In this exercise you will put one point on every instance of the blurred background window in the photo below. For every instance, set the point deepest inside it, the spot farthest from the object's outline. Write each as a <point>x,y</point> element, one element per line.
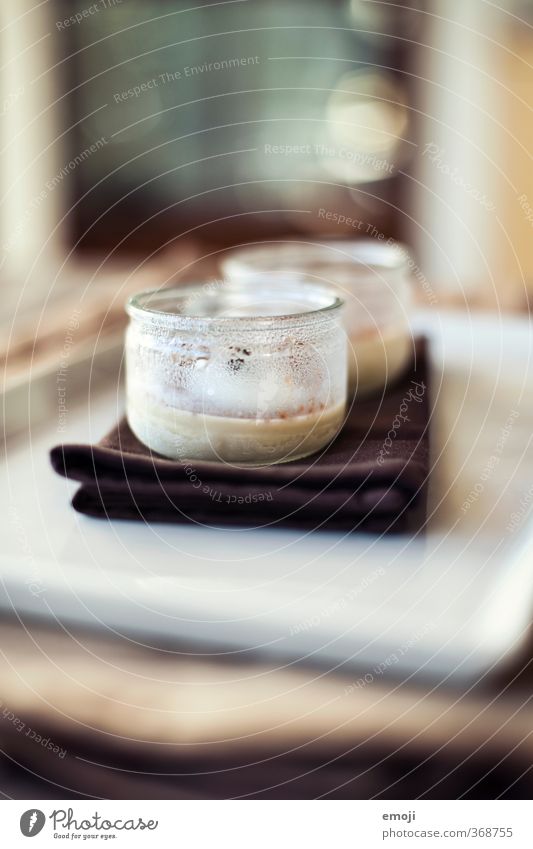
<point>231,108</point>
<point>242,120</point>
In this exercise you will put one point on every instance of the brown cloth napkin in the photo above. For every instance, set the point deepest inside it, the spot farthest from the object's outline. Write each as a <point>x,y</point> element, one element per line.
<point>372,477</point>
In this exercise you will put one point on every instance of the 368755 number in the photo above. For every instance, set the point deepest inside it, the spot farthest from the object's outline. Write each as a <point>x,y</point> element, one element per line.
<point>488,831</point>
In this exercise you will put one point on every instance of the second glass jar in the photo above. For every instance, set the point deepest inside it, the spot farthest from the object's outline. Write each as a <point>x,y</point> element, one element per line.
<point>371,276</point>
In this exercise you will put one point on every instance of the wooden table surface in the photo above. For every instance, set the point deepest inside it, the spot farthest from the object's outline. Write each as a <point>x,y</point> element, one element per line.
<point>86,716</point>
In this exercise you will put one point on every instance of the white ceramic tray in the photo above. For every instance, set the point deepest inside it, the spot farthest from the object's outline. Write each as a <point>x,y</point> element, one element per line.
<point>453,604</point>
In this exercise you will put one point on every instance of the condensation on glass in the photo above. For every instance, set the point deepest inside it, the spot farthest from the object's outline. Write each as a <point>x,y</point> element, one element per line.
<point>236,375</point>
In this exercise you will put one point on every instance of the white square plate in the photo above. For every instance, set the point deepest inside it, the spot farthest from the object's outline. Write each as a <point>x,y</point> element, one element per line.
<point>455,602</point>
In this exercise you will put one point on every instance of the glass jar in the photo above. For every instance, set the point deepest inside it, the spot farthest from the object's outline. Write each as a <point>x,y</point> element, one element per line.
<point>243,376</point>
<point>372,277</point>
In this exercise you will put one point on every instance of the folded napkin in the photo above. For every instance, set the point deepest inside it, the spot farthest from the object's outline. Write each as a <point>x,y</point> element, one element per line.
<point>372,477</point>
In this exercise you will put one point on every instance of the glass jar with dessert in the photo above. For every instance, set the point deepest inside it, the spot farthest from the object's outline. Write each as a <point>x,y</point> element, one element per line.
<point>370,275</point>
<point>239,375</point>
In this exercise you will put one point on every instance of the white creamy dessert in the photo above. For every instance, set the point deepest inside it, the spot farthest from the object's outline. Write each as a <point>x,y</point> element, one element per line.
<point>376,358</point>
<point>180,434</point>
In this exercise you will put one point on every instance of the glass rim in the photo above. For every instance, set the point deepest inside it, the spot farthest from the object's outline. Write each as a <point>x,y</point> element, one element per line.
<point>367,253</point>
<point>136,306</point>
